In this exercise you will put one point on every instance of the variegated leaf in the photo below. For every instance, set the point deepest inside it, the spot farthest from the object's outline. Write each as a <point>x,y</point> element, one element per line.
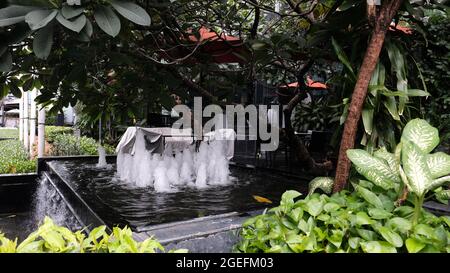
<point>438,182</point>
<point>443,196</point>
<point>422,134</point>
<point>323,183</point>
<point>439,164</point>
<point>382,153</point>
<point>416,168</point>
<point>372,168</point>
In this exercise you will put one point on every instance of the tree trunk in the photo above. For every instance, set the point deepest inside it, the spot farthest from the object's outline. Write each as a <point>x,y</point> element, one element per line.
<point>387,13</point>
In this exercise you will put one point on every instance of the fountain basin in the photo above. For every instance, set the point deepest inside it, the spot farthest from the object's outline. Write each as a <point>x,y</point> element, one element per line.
<point>202,220</point>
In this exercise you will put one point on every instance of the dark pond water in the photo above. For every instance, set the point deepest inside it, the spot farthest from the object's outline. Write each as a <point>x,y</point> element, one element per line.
<point>119,203</point>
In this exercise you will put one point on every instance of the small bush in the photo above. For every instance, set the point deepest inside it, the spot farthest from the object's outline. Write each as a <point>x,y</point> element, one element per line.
<point>14,158</point>
<point>66,145</point>
<point>52,131</point>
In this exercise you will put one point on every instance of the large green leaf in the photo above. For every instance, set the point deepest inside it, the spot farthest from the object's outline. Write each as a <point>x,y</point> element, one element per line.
<point>393,164</point>
<point>75,25</point>
<point>40,18</point>
<point>13,14</point>
<point>43,41</point>
<point>372,168</point>
<point>416,168</point>
<point>323,183</point>
<point>422,134</point>
<point>107,20</point>
<point>439,164</point>
<point>5,62</point>
<point>132,12</point>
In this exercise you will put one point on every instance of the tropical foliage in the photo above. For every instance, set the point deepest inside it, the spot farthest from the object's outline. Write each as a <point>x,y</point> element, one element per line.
<point>51,238</point>
<point>371,218</point>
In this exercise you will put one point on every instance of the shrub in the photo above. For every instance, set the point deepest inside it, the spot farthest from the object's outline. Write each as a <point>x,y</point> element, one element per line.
<point>375,217</point>
<point>50,238</point>
<point>66,145</point>
<point>52,131</point>
<point>14,158</point>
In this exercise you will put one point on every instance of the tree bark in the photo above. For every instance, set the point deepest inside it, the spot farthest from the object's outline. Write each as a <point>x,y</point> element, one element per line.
<point>383,20</point>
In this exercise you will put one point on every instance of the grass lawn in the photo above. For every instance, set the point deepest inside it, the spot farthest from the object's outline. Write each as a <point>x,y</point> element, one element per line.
<point>9,133</point>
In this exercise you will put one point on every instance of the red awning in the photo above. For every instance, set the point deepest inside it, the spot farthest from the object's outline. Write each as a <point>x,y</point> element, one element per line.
<point>215,48</point>
<point>405,30</point>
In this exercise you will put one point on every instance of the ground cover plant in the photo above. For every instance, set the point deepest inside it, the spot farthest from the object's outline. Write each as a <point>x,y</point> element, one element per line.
<point>51,238</point>
<point>382,212</point>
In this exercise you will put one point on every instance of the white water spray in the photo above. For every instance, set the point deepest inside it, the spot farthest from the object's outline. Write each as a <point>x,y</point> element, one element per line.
<point>208,166</point>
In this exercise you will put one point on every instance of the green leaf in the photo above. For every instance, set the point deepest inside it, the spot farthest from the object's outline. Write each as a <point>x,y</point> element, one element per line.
<point>40,18</point>
<point>401,224</point>
<point>323,183</point>
<point>418,93</point>
<point>289,196</point>
<point>413,245</point>
<point>13,14</point>
<point>391,105</point>
<point>416,168</point>
<point>379,214</point>
<point>70,12</point>
<point>377,247</point>
<point>361,218</point>
<point>107,20</point>
<point>366,234</point>
<point>336,237</point>
<point>353,242</point>
<point>439,164</point>
<point>422,134</point>
<point>369,196</point>
<point>314,206</point>
<point>393,163</point>
<point>6,62</point>
<point>343,57</point>
<point>372,168</point>
<point>367,117</point>
<point>392,237</point>
<point>43,41</point>
<point>75,25</point>
<point>132,12</point>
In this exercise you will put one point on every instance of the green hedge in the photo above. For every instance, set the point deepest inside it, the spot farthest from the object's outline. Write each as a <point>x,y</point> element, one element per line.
<point>14,158</point>
<point>65,145</point>
<point>52,131</point>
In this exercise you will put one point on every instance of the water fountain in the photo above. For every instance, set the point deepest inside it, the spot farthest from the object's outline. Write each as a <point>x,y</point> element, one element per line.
<point>167,184</point>
<point>178,164</point>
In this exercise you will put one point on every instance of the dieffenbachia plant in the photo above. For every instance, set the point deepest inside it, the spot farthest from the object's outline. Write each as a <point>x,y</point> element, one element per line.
<point>412,164</point>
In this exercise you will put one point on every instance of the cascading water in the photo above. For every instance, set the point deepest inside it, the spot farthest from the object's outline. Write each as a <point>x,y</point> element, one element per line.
<point>101,157</point>
<point>208,166</point>
<point>48,202</point>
